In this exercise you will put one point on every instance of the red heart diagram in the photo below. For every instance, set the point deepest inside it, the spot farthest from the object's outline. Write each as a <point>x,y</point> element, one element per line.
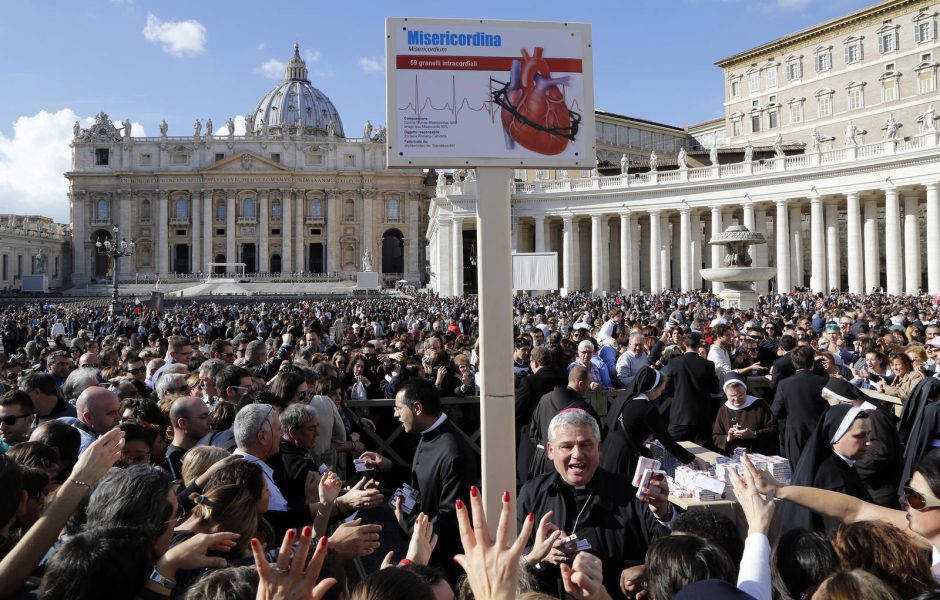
<point>534,113</point>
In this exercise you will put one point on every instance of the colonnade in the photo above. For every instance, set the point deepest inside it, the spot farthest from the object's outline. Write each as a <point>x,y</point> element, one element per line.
<point>856,242</point>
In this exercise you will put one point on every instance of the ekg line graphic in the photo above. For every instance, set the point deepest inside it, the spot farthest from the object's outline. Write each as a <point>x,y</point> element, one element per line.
<point>418,107</point>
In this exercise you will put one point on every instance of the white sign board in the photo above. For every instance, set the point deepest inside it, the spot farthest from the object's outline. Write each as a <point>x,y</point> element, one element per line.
<point>535,271</point>
<point>489,93</point>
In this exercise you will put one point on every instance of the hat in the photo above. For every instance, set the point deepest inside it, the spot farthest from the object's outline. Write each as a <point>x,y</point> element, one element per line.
<point>896,328</point>
<point>832,326</point>
<point>935,342</point>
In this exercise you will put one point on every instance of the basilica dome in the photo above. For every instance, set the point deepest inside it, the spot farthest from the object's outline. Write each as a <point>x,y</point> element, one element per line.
<point>295,107</point>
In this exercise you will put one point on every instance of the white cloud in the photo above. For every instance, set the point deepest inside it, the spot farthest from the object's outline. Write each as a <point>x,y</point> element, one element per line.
<point>272,69</point>
<point>32,163</point>
<point>261,46</point>
<point>311,56</point>
<point>178,38</point>
<point>370,65</point>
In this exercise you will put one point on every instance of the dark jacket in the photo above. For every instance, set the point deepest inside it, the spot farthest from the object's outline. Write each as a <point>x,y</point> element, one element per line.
<point>530,391</point>
<point>618,526</point>
<point>799,403</point>
<point>291,466</point>
<point>694,384</point>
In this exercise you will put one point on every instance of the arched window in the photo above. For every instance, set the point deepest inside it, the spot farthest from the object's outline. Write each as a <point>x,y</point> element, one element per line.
<point>220,210</point>
<point>145,210</point>
<point>316,208</point>
<point>102,210</point>
<point>182,208</point>
<point>248,208</point>
<point>392,210</point>
<point>276,210</point>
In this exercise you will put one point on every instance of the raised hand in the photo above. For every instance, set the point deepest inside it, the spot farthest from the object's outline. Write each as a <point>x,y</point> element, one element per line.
<point>100,456</point>
<point>492,567</point>
<point>423,540</point>
<point>584,579</point>
<point>293,577</point>
<point>546,535</point>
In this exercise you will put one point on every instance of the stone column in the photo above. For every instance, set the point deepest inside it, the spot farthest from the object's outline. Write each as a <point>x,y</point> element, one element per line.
<point>872,258</point>
<point>576,276</point>
<point>894,268</point>
<point>79,202</point>
<point>666,243</point>
<point>748,221</point>
<point>514,229</point>
<point>796,246</point>
<point>412,264</point>
<point>368,241</point>
<point>231,251</point>
<point>817,228</point>
<point>626,253</point>
<point>833,250</point>
<point>760,250</point>
<point>208,228</point>
<point>596,262</point>
<point>656,274</point>
<point>287,205</point>
<point>911,244</point>
<point>334,217</point>
<point>195,210</point>
<point>933,238</point>
<point>567,253</point>
<point>540,233</point>
<point>605,253</point>
<point>124,224</point>
<point>717,227</point>
<point>853,240</point>
<point>697,263</point>
<point>685,250</point>
<point>300,254</point>
<point>782,255</point>
<point>162,241</point>
<point>264,231</point>
<point>457,258</point>
<point>444,254</point>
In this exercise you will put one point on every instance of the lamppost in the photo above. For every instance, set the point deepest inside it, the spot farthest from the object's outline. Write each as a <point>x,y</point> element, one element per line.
<point>114,250</point>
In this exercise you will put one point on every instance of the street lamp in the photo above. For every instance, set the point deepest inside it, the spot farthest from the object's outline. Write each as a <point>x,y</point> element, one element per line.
<point>114,250</point>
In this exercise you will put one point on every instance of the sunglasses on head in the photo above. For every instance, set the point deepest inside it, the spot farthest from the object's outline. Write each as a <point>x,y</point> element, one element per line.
<point>918,501</point>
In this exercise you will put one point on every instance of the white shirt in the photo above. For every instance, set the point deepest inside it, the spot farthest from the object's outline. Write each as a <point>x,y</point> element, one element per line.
<point>720,357</point>
<point>436,424</point>
<point>276,500</point>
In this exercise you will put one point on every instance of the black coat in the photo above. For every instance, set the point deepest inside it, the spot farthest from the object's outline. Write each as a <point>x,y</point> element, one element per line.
<point>797,407</point>
<point>835,475</point>
<point>291,466</point>
<point>530,391</point>
<point>694,384</point>
<point>783,368</point>
<point>445,466</point>
<point>629,424</point>
<point>880,469</point>
<point>618,526</point>
<point>922,440</point>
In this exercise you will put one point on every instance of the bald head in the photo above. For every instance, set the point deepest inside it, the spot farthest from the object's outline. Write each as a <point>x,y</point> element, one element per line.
<point>89,359</point>
<point>190,418</point>
<point>99,409</point>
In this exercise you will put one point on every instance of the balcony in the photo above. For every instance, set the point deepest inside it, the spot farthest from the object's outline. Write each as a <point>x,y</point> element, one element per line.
<point>247,220</point>
<point>97,221</point>
<point>317,220</point>
<point>179,220</point>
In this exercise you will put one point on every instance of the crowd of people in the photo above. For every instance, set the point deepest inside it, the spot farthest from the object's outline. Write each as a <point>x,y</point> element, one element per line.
<point>215,450</point>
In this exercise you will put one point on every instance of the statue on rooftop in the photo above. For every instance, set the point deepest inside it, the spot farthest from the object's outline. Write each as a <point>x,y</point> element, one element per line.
<point>163,128</point>
<point>713,155</point>
<point>680,158</point>
<point>197,128</point>
<point>209,127</point>
<point>778,147</point>
<point>748,152</point>
<point>654,161</point>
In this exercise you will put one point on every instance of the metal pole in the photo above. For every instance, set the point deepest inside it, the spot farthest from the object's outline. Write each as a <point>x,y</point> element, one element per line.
<point>497,400</point>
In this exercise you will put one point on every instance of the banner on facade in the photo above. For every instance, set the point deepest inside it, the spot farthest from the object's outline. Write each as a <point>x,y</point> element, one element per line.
<point>535,271</point>
<point>468,93</point>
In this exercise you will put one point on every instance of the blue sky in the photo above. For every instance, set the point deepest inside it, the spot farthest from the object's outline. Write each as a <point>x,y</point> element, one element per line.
<point>146,61</point>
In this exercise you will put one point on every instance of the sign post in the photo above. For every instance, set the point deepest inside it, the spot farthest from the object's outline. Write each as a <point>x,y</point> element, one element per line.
<point>491,95</point>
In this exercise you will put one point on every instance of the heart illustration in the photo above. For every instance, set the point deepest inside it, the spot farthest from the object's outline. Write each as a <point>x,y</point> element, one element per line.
<point>534,113</point>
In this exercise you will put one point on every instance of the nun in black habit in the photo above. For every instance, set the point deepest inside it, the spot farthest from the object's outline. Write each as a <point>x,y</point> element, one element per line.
<point>827,462</point>
<point>632,419</point>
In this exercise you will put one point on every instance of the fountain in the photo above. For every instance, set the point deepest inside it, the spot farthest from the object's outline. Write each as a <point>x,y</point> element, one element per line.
<point>736,273</point>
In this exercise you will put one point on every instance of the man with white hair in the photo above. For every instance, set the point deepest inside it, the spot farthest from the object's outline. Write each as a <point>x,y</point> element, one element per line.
<point>598,505</point>
<point>634,360</point>
<point>600,378</point>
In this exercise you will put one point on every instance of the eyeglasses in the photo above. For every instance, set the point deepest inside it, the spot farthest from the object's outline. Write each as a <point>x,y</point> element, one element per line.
<point>137,370</point>
<point>11,420</point>
<point>918,501</point>
<point>92,365</point>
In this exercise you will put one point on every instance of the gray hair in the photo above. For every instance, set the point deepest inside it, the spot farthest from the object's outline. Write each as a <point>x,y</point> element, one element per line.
<point>295,415</point>
<point>168,382</point>
<point>211,368</point>
<point>132,497</point>
<point>255,347</point>
<point>250,420</point>
<point>573,417</point>
<point>78,381</point>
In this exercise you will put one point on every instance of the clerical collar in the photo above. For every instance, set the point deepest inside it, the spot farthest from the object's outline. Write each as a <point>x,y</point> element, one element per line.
<point>847,461</point>
<point>436,424</point>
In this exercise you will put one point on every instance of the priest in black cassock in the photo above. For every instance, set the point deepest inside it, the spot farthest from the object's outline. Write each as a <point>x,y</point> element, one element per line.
<point>444,468</point>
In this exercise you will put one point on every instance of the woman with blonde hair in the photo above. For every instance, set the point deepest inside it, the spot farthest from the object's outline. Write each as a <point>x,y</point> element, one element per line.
<point>853,585</point>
